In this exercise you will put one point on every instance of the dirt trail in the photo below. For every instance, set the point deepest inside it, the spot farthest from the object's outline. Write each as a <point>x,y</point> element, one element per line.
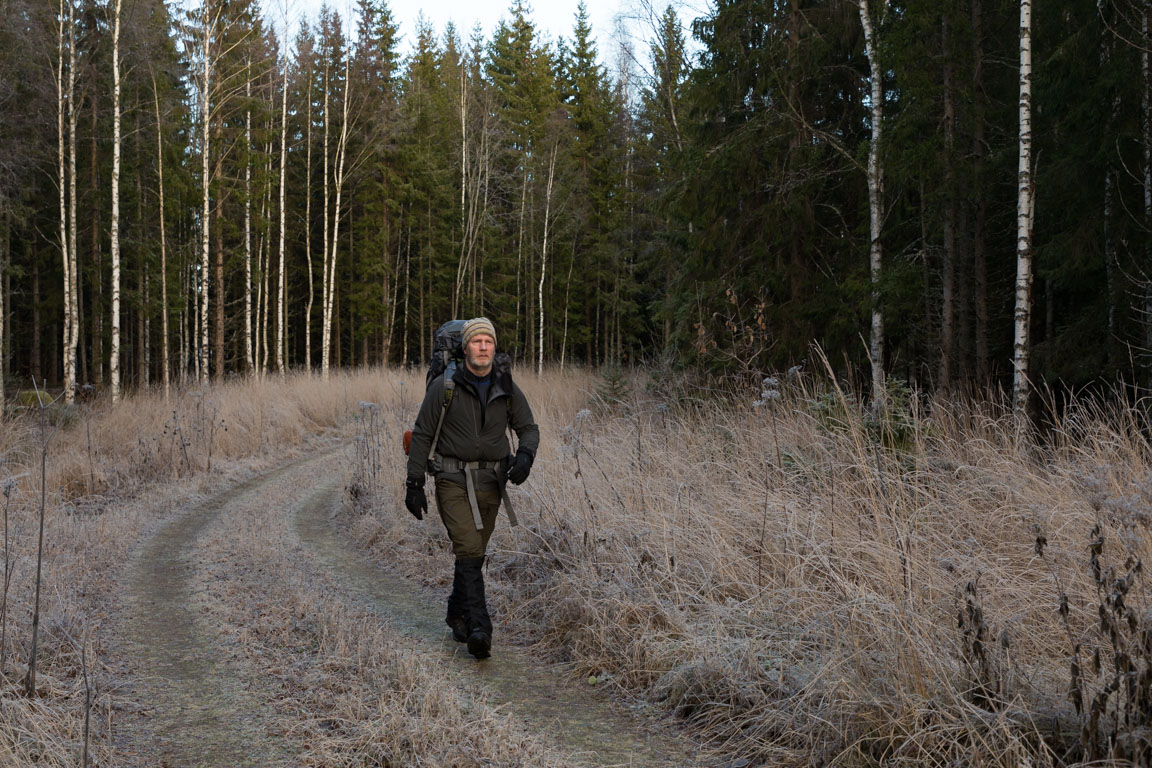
<point>596,732</point>
<point>193,707</point>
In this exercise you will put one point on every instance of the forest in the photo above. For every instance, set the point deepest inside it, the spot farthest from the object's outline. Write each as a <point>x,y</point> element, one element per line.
<point>194,192</point>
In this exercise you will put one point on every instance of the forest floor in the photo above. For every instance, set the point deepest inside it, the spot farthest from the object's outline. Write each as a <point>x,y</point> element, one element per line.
<point>251,632</point>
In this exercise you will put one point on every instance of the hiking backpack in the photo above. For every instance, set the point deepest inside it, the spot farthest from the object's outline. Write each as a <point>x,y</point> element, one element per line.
<point>447,354</point>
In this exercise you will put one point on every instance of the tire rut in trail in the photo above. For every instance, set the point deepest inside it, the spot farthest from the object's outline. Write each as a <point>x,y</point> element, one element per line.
<point>597,732</point>
<point>198,711</point>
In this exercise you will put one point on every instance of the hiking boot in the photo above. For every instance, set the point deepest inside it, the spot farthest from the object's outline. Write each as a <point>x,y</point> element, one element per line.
<point>479,623</point>
<point>480,644</point>
<point>457,618</point>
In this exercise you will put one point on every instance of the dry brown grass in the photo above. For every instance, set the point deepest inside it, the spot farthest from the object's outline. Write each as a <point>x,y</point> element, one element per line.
<point>113,473</point>
<point>791,585</point>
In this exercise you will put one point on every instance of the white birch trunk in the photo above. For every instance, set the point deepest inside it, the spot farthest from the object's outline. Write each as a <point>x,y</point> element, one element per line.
<point>202,346</point>
<point>265,295</point>
<point>165,372</point>
<point>73,230</point>
<point>249,358</point>
<point>281,334</point>
<point>326,243</point>
<point>261,315</point>
<point>330,273</point>
<point>308,227</point>
<point>1021,388</point>
<point>65,251</point>
<point>114,361</point>
<point>544,260</point>
<point>875,199</point>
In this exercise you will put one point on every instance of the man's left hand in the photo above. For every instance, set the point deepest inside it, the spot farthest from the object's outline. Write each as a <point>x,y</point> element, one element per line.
<point>519,466</point>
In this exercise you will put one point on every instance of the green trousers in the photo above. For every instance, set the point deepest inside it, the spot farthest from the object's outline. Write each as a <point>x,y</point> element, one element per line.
<point>456,513</point>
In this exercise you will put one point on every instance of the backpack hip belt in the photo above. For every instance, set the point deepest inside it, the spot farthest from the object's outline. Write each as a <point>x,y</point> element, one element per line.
<point>449,464</point>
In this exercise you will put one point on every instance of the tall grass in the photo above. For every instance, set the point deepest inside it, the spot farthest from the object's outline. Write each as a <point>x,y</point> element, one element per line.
<point>801,581</point>
<point>809,583</point>
<point>112,473</point>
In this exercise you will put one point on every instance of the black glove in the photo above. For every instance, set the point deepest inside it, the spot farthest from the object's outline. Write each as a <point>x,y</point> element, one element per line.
<point>519,466</point>
<point>414,499</point>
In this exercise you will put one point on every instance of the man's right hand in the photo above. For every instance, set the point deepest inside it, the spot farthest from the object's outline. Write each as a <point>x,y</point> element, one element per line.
<point>415,500</point>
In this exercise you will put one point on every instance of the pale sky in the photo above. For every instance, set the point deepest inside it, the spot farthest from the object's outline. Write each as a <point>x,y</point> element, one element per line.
<point>553,18</point>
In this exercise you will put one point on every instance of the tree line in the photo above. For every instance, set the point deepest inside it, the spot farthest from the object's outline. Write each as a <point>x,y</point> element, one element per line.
<point>188,193</point>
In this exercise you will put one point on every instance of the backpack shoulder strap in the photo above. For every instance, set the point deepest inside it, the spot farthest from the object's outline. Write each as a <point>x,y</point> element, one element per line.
<point>449,390</point>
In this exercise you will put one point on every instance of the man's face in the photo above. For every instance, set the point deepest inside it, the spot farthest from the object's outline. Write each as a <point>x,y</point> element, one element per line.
<point>478,353</point>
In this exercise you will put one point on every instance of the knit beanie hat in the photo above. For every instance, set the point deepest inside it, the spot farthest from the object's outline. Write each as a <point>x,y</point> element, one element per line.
<point>476,326</point>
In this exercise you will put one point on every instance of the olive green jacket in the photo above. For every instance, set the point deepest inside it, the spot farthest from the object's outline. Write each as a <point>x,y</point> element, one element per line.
<point>469,433</point>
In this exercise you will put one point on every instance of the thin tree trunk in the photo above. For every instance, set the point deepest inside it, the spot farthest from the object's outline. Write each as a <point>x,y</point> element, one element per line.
<point>141,348</point>
<point>423,272</point>
<point>520,248</point>
<point>249,359</point>
<point>1021,387</point>
<point>37,370</point>
<point>875,198</point>
<point>544,258</point>
<point>308,226</point>
<point>69,361</point>
<point>202,313</point>
<point>281,333</point>
<point>1110,265</point>
<point>327,243</point>
<point>979,260</point>
<point>73,229</point>
<point>461,269</point>
<point>948,302</point>
<point>114,361</point>
<point>261,342</point>
<point>165,371</point>
<point>96,305</point>
<point>567,288</point>
<point>218,234</point>
<point>265,293</point>
<point>330,277</point>
<point>407,293</point>
<point>395,295</point>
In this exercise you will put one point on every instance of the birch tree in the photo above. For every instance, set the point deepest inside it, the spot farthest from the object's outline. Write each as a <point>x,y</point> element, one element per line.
<point>205,182</point>
<point>544,256</point>
<point>308,221</point>
<point>114,362</point>
<point>69,360</point>
<point>282,281</point>
<point>875,194</point>
<point>166,373</point>
<point>1021,388</point>
<point>73,288</point>
<point>249,360</point>
<point>329,287</point>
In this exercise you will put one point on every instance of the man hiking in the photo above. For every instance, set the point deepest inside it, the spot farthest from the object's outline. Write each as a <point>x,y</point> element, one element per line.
<point>462,428</point>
